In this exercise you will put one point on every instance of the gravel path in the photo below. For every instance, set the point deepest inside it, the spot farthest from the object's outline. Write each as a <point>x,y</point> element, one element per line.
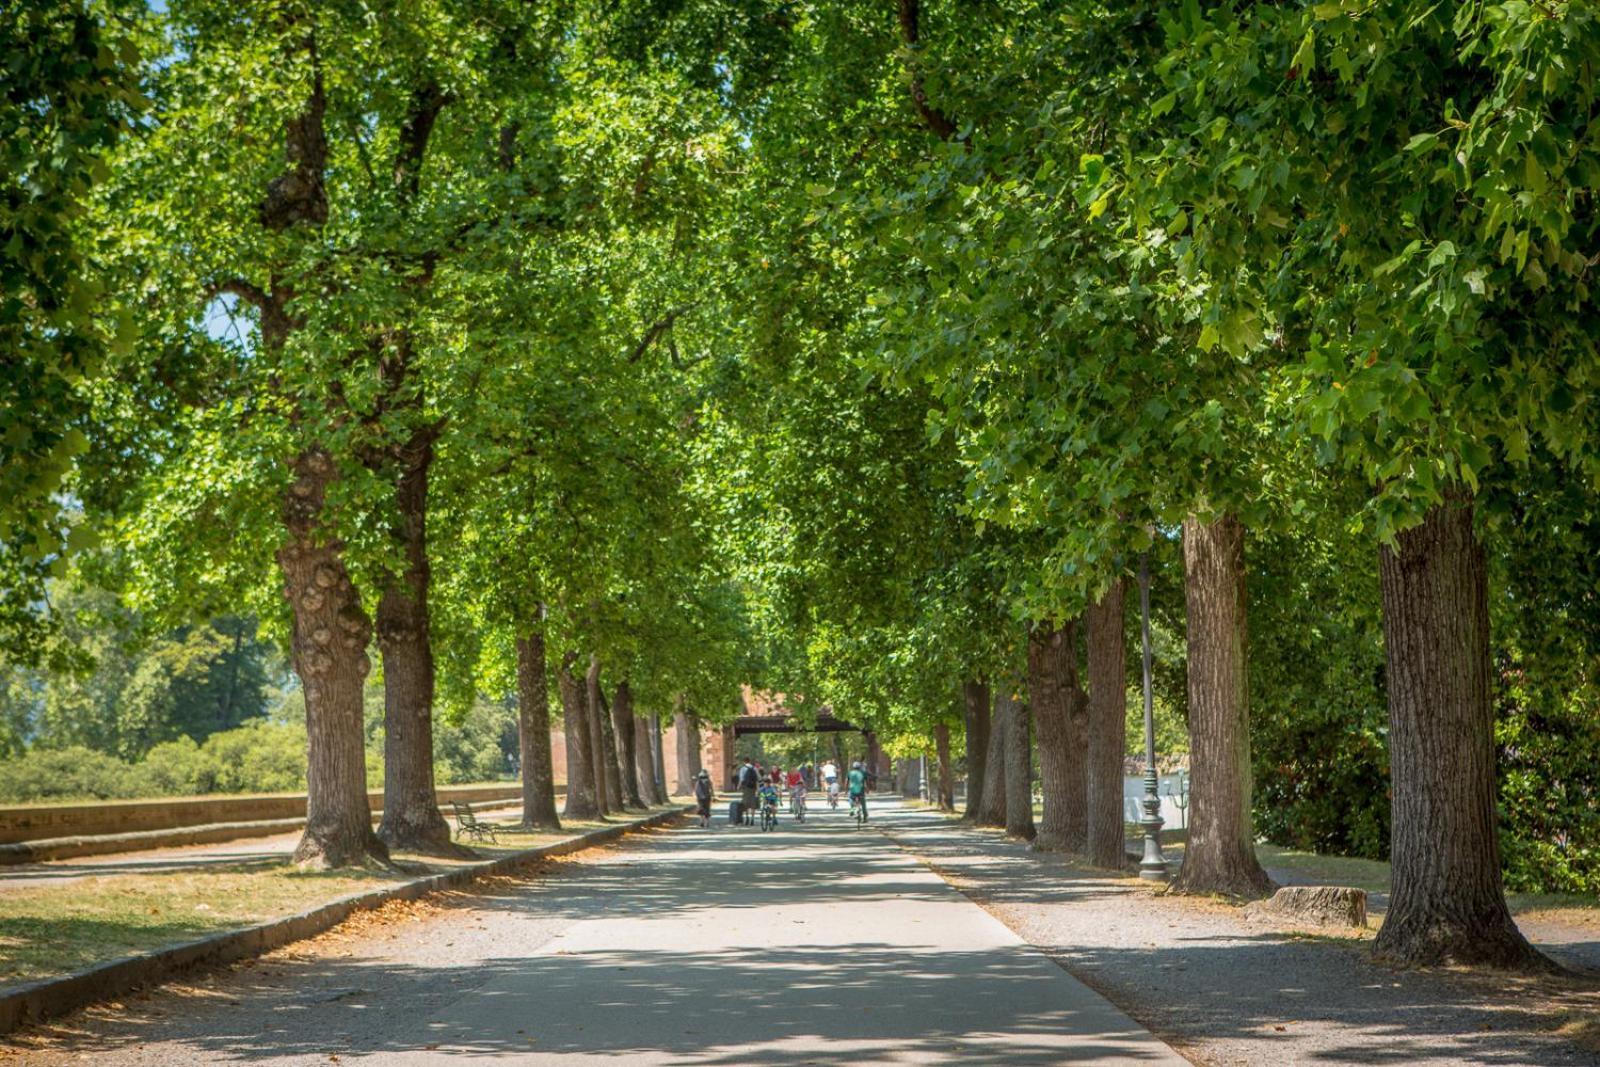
<point>815,944</point>
<point>1224,991</point>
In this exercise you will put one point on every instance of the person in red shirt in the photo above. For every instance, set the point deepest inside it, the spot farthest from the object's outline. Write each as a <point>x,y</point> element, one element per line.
<point>797,794</point>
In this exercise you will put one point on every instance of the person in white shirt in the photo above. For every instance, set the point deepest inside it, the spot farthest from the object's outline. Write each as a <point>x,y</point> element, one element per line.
<point>830,779</point>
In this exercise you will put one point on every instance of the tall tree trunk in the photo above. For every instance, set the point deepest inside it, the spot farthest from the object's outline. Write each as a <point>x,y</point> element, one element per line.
<point>688,731</point>
<point>1447,905</point>
<point>1108,724</point>
<point>411,819</point>
<point>1220,855</point>
<point>992,808</point>
<point>643,769</point>
<point>947,779</point>
<point>533,735</point>
<point>330,628</point>
<point>1019,765</point>
<point>975,701</point>
<point>603,753</point>
<point>583,793</point>
<point>1057,703</point>
<point>658,758</point>
<point>329,644</point>
<point>627,751</point>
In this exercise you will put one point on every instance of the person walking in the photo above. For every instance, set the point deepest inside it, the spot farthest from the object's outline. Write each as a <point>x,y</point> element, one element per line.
<point>749,781</point>
<point>703,795</point>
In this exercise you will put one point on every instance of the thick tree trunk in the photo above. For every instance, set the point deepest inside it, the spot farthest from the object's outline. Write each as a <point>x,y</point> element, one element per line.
<point>1019,764</point>
<point>583,794</point>
<point>1108,723</point>
<point>533,735</point>
<point>411,819</point>
<point>1057,703</point>
<point>602,752</point>
<point>688,731</point>
<point>330,655</point>
<point>1448,905</point>
<point>627,752</point>
<point>992,808</point>
<point>658,758</point>
<point>643,765</point>
<point>946,794</point>
<point>1220,855</point>
<point>975,698</point>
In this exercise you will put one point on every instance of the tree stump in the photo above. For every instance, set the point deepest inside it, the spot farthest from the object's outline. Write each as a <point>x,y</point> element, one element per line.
<point>1313,905</point>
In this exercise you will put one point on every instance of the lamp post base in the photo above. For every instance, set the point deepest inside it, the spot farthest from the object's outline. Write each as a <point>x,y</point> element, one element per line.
<point>1153,868</point>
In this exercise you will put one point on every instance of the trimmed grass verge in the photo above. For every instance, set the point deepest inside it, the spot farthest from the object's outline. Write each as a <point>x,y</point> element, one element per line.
<point>129,930</point>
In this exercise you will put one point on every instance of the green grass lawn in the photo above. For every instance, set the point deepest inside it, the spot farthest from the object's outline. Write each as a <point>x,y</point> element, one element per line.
<point>56,929</point>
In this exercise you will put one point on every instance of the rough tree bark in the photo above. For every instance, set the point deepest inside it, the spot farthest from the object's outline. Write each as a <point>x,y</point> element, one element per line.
<point>603,744</point>
<point>992,808</point>
<point>947,779</point>
<point>1019,765</point>
<point>975,699</point>
<point>688,749</point>
<point>1220,855</point>
<point>627,748</point>
<point>658,756</point>
<point>643,764</point>
<point>330,629</point>
<point>329,651</point>
<point>1108,724</point>
<point>533,735</point>
<point>411,818</point>
<point>583,795</point>
<point>1448,905</point>
<point>1057,703</point>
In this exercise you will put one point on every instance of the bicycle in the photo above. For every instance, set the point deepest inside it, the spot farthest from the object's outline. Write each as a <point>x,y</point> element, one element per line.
<point>833,796</point>
<point>858,809</point>
<point>769,815</point>
<point>797,805</point>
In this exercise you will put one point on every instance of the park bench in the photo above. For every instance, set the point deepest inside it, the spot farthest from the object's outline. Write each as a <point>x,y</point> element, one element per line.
<point>469,824</point>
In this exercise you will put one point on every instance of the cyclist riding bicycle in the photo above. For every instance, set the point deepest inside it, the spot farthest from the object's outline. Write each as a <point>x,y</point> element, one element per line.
<point>797,793</point>
<point>858,789</point>
<point>830,779</point>
<point>769,800</point>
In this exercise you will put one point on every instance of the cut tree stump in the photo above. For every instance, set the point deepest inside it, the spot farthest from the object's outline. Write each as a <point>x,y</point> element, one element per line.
<point>1313,905</point>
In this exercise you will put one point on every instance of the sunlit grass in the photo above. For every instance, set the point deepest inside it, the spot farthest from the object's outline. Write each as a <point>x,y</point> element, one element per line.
<point>66,926</point>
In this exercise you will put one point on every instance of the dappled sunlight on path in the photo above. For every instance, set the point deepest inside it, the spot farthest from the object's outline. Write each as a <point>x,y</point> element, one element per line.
<point>818,943</point>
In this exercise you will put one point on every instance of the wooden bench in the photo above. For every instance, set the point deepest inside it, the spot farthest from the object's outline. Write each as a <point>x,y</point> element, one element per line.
<point>469,824</point>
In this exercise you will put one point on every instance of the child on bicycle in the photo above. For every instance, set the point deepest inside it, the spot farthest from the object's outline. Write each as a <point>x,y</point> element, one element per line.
<point>797,793</point>
<point>769,798</point>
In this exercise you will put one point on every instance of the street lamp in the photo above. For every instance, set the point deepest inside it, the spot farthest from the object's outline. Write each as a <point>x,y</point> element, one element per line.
<point>1153,867</point>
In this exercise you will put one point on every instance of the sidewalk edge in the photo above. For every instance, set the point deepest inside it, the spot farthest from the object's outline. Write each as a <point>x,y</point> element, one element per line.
<point>51,997</point>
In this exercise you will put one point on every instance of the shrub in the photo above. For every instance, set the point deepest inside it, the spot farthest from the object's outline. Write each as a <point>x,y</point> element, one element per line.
<point>178,768</point>
<point>259,757</point>
<point>71,773</point>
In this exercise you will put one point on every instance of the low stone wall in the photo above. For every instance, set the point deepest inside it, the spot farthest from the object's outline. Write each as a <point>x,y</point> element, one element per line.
<point>37,822</point>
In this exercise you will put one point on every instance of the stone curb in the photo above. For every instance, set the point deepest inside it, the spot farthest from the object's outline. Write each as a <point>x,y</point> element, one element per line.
<point>61,848</point>
<point>50,997</point>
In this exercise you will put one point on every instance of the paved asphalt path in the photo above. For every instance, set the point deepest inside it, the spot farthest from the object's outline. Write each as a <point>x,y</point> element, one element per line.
<point>813,944</point>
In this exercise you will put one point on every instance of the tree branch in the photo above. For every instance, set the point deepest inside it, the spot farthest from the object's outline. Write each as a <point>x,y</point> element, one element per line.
<point>249,292</point>
<point>426,103</point>
<point>910,29</point>
<point>653,334</point>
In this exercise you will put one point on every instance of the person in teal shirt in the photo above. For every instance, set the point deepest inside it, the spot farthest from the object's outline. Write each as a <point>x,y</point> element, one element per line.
<point>769,797</point>
<point>857,787</point>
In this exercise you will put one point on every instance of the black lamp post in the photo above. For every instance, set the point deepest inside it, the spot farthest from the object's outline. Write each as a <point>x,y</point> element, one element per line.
<point>1154,865</point>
